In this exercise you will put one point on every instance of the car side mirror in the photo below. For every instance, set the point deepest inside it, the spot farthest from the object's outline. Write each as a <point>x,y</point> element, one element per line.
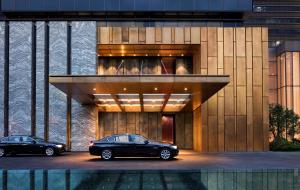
<point>146,142</point>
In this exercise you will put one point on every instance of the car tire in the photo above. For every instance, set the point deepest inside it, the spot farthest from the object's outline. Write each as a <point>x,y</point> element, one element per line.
<point>2,152</point>
<point>106,154</point>
<point>49,151</point>
<point>165,154</point>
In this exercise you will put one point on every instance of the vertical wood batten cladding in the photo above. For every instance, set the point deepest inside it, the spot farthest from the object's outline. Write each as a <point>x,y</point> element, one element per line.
<point>236,118</point>
<point>57,66</point>
<point>2,31</point>
<point>20,78</point>
<point>84,118</point>
<point>287,73</point>
<point>40,49</point>
<point>149,125</point>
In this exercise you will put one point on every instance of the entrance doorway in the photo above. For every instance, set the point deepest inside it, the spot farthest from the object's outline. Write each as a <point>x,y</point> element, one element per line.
<point>168,132</point>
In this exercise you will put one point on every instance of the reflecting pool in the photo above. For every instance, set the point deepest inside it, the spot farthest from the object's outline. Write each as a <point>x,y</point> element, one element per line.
<point>285,179</point>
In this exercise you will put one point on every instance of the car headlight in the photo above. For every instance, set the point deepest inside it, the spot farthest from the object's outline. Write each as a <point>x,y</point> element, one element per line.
<point>59,146</point>
<point>174,146</point>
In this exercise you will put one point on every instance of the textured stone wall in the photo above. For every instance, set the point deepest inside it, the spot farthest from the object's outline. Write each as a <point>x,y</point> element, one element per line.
<point>40,89</point>
<point>57,66</point>
<point>20,78</point>
<point>2,29</point>
<point>84,118</point>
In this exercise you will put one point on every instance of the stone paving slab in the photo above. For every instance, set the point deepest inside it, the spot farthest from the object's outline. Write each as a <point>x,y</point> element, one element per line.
<point>186,161</point>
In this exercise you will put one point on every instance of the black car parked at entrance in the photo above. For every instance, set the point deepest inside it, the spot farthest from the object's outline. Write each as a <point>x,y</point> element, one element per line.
<point>131,145</point>
<point>21,144</point>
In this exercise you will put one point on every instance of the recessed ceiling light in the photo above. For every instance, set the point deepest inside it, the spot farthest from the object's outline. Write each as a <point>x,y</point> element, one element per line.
<point>182,55</point>
<point>124,89</point>
<point>134,55</point>
<point>94,89</point>
<point>147,54</point>
<point>110,54</point>
<point>170,55</point>
<point>155,88</point>
<point>157,54</point>
<point>185,89</point>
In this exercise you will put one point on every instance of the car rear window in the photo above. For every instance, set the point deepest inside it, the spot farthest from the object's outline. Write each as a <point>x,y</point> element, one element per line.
<point>4,139</point>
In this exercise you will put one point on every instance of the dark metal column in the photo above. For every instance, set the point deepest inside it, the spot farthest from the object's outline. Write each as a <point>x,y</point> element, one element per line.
<point>6,79</point>
<point>33,79</point>
<point>46,83</point>
<point>69,100</point>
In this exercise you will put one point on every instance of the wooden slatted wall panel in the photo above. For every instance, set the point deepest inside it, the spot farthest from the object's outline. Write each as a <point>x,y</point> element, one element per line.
<point>236,118</point>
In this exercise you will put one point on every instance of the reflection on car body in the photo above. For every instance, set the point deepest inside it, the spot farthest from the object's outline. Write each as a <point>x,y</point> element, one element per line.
<point>131,145</point>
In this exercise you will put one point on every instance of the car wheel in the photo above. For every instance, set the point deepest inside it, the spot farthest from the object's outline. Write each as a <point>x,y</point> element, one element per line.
<point>49,151</point>
<point>165,154</point>
<point>2,152</point>
<point>106,154</point>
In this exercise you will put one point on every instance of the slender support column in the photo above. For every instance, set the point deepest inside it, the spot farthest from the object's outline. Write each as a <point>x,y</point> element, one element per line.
<point>46,83</point>
<point>6,79</point>
<point>69,100</point>
<point>33,80</point>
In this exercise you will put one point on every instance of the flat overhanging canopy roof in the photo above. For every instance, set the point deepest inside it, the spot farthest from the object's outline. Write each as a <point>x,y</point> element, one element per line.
<point>88,89</point>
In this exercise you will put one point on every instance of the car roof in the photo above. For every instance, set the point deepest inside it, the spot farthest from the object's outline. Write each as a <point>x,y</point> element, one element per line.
<point>20,136</point>
<point>125,134</point>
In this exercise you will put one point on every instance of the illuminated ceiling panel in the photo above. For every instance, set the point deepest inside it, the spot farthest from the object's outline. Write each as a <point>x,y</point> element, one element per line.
<point>153,102</point>
<point>177,102</point>
<point>136,102</point>
<point>130,102</point>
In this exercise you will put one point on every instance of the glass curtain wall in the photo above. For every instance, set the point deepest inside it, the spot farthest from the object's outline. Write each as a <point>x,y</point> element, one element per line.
<point>144,65</point>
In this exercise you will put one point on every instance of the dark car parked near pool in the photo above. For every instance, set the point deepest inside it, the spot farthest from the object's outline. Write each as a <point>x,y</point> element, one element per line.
<point>131,145</point>
<point>21,144</point>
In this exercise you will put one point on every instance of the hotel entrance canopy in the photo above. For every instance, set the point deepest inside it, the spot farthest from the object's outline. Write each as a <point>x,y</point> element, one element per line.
<point>139,93</point>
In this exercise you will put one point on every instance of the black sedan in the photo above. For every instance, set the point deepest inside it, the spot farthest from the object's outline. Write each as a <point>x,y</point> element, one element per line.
<point>21,144</point>
<point>131,145</point>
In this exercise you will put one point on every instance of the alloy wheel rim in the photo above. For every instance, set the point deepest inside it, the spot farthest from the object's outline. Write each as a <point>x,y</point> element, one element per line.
<point>106,154</point>
<point>49,151</point>
<point>1,152</point>
<point>165,154</point>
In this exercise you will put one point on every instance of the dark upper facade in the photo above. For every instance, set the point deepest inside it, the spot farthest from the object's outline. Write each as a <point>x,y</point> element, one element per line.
<point>126,5</point>
<point>280,16</point>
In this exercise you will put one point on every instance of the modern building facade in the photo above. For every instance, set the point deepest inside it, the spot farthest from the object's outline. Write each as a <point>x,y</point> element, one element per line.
<point>194,73</point>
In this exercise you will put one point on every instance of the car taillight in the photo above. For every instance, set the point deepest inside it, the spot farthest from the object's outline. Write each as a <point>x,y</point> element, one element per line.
<point>91,143</point>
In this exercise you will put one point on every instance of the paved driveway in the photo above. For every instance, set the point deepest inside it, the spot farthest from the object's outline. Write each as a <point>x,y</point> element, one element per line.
<point>187,160</point>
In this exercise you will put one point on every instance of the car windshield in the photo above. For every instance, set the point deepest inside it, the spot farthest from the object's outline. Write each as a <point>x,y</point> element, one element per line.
<point>38,139</point>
